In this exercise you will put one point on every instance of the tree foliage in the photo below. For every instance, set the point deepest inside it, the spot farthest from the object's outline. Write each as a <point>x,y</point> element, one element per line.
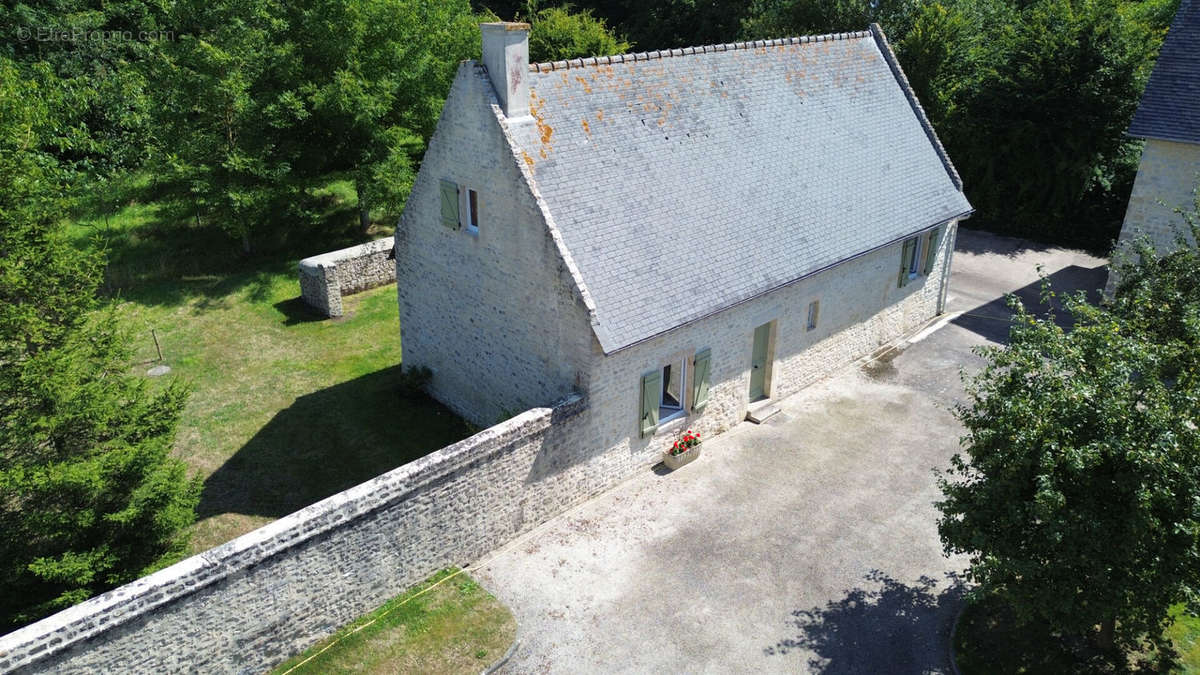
<point>1158,293</point>
<point>372,78</point>
<point>89,494</point>
<point>1077,495</point>
<point>1038,132</point>
<point>557,34</point>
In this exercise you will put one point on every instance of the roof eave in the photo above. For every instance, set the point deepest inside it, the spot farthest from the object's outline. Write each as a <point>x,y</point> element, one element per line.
<point>1161,137</point>
<point>962,216</point>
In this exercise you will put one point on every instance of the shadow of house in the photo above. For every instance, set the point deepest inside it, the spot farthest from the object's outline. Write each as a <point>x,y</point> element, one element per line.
<point>887,627</point>
<point>329,441</point>
<point>991,321</point>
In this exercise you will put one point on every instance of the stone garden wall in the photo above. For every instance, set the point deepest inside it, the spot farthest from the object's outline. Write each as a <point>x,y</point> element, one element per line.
<point>325,278</point>
<point>249,604</point>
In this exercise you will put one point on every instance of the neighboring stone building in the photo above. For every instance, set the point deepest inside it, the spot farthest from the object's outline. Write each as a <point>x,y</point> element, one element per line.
<point>680,236</point>
<point>1169,119</point>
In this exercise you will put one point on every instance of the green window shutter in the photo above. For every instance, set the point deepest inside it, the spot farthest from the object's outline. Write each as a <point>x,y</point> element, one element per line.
<point>700,371</point>
<point>450,205</point>
<point>910,249</point>
<point>931,250</point>
<point>651,388</point>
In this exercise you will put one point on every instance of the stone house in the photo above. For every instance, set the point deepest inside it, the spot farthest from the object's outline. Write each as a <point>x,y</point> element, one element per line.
<point>680,236</point>
<point>1168,118</point>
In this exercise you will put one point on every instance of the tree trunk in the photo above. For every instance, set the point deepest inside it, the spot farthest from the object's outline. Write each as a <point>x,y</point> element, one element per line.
<point>364,209</point>
<point>245,241</point>
<point>1105,640</point>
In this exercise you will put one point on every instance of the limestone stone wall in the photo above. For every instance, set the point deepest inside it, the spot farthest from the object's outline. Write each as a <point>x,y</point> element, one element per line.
<point>861,308</point>
<point>325,278</point>
<point>249,604</point>
<point>1168,173</point>
<point>493,314</point>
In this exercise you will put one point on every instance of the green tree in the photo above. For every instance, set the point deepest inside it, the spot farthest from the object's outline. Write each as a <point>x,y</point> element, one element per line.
<point>1040,137</point>
<point>372,77</point>
<point>775,18</point>
<point>228,111</point>
<point>1158,293</point>
<point>1077,495</point>
<point>557,34</point>
<point>89,494</point>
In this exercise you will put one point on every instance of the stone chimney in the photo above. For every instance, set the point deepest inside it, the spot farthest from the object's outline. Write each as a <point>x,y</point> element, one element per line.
<point>506,56</point>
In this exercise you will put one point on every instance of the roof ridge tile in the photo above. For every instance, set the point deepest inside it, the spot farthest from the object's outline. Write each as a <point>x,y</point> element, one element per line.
<point>548,66</point>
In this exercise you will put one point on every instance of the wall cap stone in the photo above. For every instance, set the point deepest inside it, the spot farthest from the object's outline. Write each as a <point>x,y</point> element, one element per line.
<point>332,258</point>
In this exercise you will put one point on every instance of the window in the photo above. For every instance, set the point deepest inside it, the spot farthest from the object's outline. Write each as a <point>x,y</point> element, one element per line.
<point>667,391</point>
<point>472,211</point>
<point>459,206</point>
<point>914,260</point>
<point>918,256</point>
<point>814,308</point>
<point>670,401</point>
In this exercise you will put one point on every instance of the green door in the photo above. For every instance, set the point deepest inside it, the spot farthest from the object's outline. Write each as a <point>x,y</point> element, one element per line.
<point>758,363</point>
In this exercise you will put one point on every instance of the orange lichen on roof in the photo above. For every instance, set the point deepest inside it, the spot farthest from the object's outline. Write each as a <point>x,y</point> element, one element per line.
<point>600,115</point>
<point>586,88</point>
<point>528,160</point>
<point>586,129</point>
<point>539,118</point>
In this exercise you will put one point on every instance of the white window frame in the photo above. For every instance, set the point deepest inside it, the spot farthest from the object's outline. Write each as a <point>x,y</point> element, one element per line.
<point>665,413</point>
<point>470,217</point>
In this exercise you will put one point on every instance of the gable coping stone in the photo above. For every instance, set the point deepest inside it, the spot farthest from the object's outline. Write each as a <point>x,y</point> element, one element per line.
<point>555,234</point>
<point>890,57</point>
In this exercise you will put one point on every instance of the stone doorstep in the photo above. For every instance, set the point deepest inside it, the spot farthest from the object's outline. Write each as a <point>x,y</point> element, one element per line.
<point>759,411</point>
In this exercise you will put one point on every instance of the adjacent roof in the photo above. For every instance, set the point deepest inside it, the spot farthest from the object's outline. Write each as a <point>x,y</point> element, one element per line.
<point>687,181</point>
<point>1170,107</point>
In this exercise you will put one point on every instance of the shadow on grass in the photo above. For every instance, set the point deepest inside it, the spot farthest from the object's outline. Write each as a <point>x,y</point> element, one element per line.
<point>158,254</point>
<point>990,640</point>
<point>888,627</point>
<point>326,442</point>
<point>297,311</point>
<point>991,321</point>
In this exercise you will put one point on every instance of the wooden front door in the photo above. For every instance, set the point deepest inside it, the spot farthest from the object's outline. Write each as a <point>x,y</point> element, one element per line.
<point>759,362</point>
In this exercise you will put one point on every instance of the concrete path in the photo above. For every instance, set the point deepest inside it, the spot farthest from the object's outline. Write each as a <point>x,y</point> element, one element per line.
<point>808,543</point>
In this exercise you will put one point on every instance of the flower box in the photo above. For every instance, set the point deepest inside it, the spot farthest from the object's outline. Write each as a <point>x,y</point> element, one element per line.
<point>683,450</point>
<point>673,462</point>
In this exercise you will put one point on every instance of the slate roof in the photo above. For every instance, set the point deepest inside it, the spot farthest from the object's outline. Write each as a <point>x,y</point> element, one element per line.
<point>1170,107</point>
<point>685,182</point>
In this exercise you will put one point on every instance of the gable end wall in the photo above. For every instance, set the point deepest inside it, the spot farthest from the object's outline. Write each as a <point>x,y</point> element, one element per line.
<point>1168,173</point>
<point>495,316</point>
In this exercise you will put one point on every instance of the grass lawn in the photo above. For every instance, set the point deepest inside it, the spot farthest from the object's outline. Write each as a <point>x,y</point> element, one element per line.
<point>286,408</point>
<point>457,627</point>
<point>988,641</point>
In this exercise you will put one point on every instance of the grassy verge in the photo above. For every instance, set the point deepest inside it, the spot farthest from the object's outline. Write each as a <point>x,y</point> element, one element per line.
<point>988,640</point>
<point>286,407</point>
<point>449,627</point>
<point>1185,636</point>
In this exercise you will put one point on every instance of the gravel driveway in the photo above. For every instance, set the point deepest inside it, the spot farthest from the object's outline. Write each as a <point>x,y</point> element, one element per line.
<point>808,543</point>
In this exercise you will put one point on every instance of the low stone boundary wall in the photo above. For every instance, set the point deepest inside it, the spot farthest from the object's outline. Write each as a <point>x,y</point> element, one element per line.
<point>325,278</point>
<point>247,605</point>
